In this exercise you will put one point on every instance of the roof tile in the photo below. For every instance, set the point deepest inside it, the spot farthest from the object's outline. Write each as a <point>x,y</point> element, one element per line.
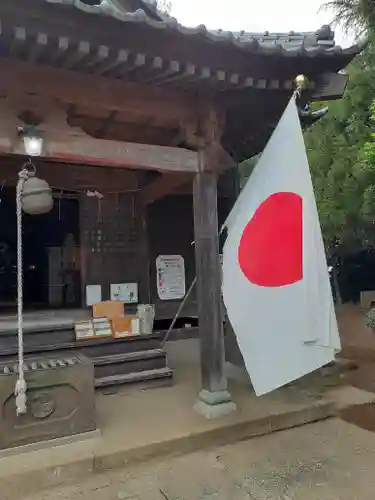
<point>319,43</point>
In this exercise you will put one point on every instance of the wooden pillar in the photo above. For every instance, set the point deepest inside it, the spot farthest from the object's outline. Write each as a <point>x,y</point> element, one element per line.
<point>214,399</point>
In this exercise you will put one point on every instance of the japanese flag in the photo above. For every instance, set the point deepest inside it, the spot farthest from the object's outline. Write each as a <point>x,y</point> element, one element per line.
<point>276,285</point>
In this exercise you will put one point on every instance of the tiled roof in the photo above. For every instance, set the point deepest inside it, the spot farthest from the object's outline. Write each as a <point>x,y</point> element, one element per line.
<point>320,43</point>
<point>152,5</point>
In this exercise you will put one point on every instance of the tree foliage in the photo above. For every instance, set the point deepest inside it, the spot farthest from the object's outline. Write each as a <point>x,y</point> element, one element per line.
<point>356,15</point>
<point>341,146</point>
<point>342,161</point>
<point>165,6</point>
<point>341,152</point>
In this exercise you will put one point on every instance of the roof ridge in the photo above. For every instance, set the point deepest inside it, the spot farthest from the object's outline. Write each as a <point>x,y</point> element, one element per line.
<point>320,42</point>
<point>325,32</point>
<point>323,36</point>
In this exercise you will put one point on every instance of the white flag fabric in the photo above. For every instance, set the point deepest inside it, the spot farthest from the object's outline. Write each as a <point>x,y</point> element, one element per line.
<point>276,286</point>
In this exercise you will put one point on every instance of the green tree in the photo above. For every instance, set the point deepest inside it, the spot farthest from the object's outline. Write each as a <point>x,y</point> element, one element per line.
<point>343,175</point>
<point>341,152</point>
<point>341,155</point>
<point>356,15</point>
<point>365,171</point>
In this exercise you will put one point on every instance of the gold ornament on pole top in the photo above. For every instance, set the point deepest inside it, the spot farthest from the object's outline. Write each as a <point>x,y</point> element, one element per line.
<point>301,82</point>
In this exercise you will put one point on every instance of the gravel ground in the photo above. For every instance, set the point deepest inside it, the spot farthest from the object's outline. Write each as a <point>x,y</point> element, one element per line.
<point>330,460</point>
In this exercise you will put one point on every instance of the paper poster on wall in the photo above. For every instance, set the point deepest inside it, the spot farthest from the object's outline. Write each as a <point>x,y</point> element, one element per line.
<point>126,292</point>
<point>170,277</point>
<point>93,294</point>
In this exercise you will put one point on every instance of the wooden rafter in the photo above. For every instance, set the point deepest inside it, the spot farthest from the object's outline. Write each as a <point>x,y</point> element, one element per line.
<point>96,92</point>
<point>121,61</point>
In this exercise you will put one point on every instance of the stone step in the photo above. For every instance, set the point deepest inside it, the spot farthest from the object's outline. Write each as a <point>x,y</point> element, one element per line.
<point>127,363</point>
<point>160,376</point>
<point>92,348</point>
<point>64,338</point>
<point>43,337</point>
<point>113,369</point>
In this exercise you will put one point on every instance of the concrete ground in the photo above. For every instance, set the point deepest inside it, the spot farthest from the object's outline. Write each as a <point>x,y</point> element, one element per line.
<point>329,460</point>
<point>138,425</point>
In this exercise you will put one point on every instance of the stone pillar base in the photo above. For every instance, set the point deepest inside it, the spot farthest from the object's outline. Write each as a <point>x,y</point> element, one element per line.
<point>214,404</point>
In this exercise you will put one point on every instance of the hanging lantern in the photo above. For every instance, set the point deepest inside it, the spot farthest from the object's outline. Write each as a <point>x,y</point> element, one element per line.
<point>36,196</point>
<point>32,140</point>
<point>33,145</point>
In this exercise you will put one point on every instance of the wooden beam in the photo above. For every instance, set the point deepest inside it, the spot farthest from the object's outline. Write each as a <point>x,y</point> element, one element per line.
<point>144,133</point>
<point>219,159</point>
<point>72,145</point>
<point>330,86</point>
<point>73,177</point>
<point>122,154</point>
<point>102,129</point>
<point>163,186</point>
<point>95,91</point>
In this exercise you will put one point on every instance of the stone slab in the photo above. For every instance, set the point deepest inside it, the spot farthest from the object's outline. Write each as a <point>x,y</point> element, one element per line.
<point>52,443</point>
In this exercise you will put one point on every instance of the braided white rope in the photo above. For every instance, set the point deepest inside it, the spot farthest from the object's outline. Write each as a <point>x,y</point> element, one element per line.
<point>21,386</point>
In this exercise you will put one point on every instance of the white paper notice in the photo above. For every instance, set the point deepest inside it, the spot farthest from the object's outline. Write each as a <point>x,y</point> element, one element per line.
<point>93,294</point>
<point>170,277</point>
<point>126,292</point>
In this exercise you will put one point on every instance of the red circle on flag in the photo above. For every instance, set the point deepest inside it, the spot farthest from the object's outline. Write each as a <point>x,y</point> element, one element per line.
<point>270,249</point>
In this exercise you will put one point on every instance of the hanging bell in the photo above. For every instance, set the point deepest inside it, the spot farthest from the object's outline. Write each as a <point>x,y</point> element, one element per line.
<point>36,196</point>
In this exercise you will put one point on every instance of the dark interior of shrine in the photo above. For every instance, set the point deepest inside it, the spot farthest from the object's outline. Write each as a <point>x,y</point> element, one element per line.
<point>40,234</point>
